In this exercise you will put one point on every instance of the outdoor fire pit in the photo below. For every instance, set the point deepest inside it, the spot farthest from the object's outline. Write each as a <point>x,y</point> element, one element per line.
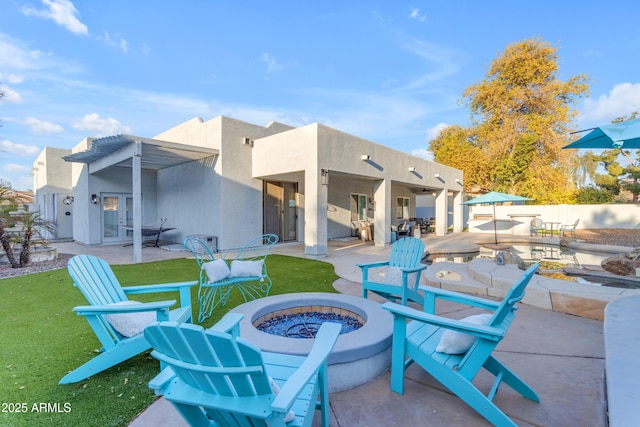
<point>362,352</point>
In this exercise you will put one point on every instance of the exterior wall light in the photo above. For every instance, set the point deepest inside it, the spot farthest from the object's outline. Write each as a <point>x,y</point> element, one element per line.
<point>437,175</point>
<point>412,169</point>
<point>95,199</point>
<point>365,157</point>
<point>67,200</point>
<point>324,176</point>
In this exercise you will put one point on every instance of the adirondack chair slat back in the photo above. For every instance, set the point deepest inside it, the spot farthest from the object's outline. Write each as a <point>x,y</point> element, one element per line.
<point>211,361</point>
<point>515,294</point>
<point>406,253</point>
<point>95,279</point>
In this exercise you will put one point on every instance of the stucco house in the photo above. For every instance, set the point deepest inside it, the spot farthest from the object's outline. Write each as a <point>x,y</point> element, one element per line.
<point>235,180</point>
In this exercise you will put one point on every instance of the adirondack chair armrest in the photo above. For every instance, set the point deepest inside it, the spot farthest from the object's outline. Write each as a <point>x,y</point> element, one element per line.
<point>230,323</point>
<point>183,287</point>
<point>324,342</point>
<point>162,287</point>
<point>373,264</point>
<point>459,297</point>
<point>89,310</point>
<point>481,331</point>
<point>160,381</point>
<point>413,270</point>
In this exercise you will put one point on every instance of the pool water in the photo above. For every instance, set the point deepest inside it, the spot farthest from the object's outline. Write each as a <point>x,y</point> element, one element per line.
<point>552,259</point>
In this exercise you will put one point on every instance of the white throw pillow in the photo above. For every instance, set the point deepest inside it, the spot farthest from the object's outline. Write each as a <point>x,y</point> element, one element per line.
<point>274,387</point>
<point>246,268</point>
<point>130,324</point>
<point>216,270</point>
<point>453,342</point>
<point>393,276</point>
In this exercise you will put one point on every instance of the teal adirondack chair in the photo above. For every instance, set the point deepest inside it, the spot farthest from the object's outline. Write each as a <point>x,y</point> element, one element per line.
<point>251,282</point>
<point>418,340</point>
<point>214,378</point>
<point>406,254</point>
<point>121,335</point>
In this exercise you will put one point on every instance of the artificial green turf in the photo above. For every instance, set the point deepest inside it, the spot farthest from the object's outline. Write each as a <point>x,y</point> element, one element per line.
<point>41,340</point>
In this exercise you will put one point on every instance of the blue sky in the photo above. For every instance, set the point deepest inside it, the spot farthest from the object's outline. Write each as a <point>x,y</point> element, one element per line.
<point>390,72</point>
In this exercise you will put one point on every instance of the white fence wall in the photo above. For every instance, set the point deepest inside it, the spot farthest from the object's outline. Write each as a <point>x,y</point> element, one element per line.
<point>590,216</point>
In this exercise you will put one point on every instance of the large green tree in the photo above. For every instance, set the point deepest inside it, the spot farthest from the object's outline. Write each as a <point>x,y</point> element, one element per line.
<point>521,115</point>
<point>617,176</point>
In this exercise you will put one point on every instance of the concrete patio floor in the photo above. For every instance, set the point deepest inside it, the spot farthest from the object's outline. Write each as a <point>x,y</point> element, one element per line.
<point>560,355</point>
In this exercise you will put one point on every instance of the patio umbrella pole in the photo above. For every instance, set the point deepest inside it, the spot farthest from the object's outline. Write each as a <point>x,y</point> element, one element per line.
<point>495,226</point>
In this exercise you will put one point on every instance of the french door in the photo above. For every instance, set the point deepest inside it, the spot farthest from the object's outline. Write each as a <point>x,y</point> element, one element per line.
<point>117,217</point>
<point>280,210</point>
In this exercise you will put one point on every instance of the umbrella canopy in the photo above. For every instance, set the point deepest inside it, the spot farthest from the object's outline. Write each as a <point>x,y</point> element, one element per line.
<point>495,197</point>
<point>492,198</point>
<point>616,135</point>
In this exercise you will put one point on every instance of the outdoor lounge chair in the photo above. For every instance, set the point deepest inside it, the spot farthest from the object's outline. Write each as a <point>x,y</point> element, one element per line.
<point>454,351</point>
<point>402,275</point>
<point>246,272</point>
<point>118,322</point>
<point>215,378</point>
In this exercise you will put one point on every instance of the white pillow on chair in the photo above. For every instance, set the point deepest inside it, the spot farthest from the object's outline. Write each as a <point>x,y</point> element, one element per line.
<point>130,324</point>
<point>216,270</point>
<point>246,268</point>
<point>453,342</point>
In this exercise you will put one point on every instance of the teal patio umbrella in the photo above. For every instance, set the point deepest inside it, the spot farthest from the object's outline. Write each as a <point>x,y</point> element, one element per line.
<point>491,199</point>
<point>615,135</point>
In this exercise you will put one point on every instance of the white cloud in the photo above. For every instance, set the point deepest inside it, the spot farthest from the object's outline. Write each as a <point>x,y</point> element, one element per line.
<point>116,41</point>
<point>18,149</point>
<point>43,127</point>
<point>415,14</point>
<point>15,168</point>
<point>422,153</point>
<point>593,53</point>
<point>62,12</point>
<point>443,62</point>
<point>272,64</point>
<point>432,133</point>
<point>622,100</point>
<point>11,78</point>
<point>99,126</point>
<point>10,95</point>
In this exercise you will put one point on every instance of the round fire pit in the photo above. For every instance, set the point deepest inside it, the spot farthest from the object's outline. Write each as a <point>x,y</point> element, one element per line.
<point>358,356</point>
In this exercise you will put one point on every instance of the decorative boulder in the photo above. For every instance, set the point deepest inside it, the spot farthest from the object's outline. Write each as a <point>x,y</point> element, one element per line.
<point>622,265</point>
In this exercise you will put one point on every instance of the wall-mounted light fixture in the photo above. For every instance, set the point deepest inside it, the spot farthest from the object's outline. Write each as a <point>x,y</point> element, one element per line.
<point>324,176</point>
<point>437,175</point>
<point>412,169</point>
<point>458,181</point>
<point>365,157</point>
<point>95,199</point>
<point>67,200</point>
<point>247,141</point>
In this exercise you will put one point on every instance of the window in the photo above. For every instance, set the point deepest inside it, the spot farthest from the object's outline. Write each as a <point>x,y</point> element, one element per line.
<point>402,209</point>
<point>358,207</point>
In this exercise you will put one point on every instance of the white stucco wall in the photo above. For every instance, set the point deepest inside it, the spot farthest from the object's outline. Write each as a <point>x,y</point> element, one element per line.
<point>590,216</point>
<point>52,183</point>
<point>218,198</point>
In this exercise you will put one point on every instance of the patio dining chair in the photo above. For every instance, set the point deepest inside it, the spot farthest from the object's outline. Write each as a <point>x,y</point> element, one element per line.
<point>569,228</point>
<point>538,227</point>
